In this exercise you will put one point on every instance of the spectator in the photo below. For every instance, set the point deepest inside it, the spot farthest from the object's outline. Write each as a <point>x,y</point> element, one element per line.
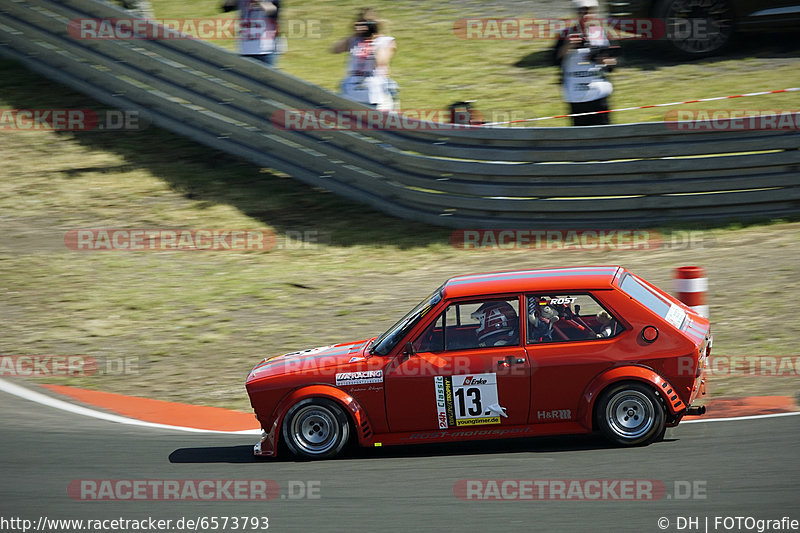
<point>346,43</point>
<point>367,77</point>
<point>584,55</point>
<point>258,37</point>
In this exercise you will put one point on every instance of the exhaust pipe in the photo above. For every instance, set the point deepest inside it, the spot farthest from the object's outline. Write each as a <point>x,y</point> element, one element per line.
<point>696,410</point>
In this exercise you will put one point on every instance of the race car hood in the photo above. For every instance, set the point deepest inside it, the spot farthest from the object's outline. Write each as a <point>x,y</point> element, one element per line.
<point>309,360</point>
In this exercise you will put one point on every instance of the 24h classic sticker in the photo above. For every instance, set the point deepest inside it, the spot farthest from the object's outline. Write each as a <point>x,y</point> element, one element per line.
<point>467,400</point>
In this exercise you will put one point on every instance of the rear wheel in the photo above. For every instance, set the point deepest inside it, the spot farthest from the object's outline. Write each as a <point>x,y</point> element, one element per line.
<point>630,414</point>
<point>316,428</point>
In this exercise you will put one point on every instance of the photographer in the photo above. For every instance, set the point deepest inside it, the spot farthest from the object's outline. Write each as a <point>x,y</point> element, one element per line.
<point>367,76</point>
<point>346,43</point>
<point>585,56</point>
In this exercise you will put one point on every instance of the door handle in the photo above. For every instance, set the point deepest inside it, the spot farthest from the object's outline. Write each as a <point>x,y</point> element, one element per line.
<point>510,360</point>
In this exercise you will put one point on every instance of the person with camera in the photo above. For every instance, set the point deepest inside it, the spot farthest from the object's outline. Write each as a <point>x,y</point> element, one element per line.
<point>367,75</point>
<point>346,44</point>
<point>585,57</point>
<point>258,32</point>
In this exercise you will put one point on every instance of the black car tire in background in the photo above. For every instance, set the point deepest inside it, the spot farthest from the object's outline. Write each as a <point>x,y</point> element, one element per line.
<point>696,28</point>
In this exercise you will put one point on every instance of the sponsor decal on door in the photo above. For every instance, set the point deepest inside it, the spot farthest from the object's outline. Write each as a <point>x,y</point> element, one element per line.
<point>467,400</point>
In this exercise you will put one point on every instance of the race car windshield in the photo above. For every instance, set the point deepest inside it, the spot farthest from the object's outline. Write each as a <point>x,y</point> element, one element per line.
<point>392,336</point>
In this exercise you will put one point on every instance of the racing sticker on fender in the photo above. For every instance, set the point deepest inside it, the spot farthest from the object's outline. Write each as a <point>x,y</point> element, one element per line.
<point>467,400</point>
<point>359,378</point>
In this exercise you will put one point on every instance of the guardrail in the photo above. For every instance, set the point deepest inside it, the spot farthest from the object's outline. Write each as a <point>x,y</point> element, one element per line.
<point>472,177</point>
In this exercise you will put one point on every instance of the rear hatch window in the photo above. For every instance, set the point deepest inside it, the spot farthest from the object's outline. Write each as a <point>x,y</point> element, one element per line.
<point>655,302</point>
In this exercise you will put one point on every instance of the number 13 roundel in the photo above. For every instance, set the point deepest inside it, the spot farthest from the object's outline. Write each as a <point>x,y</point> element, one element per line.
<point>467,400</point>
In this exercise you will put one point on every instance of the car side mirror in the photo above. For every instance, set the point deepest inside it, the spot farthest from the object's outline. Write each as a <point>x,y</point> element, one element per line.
<point>409,349</point>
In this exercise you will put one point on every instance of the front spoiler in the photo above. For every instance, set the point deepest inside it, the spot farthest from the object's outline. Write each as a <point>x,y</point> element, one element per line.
<point>259,450</point>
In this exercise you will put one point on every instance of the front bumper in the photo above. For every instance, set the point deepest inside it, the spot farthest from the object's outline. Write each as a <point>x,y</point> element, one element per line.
<point>264,448</point>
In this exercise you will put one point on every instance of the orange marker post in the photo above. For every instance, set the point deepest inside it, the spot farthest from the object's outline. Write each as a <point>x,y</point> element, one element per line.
<point>691,286</point>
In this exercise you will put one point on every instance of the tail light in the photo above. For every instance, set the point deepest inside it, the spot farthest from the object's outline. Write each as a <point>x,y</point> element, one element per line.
<point>705,353</point>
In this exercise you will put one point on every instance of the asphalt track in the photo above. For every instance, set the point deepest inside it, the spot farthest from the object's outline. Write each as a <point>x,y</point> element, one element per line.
<point>746,468</point>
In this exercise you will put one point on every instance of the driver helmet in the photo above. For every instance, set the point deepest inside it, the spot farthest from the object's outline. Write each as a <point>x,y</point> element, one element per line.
<point>540,308</point>
<point>493,318</point>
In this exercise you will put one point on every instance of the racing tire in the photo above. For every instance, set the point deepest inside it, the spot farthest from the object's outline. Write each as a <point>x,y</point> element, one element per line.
<point>630,414</point>
<point>316,428</point>
<point>696,29</point>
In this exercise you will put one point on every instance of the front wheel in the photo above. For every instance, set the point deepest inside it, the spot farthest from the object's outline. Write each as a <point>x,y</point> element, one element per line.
<point>630,414</point>
<point>316,428</point>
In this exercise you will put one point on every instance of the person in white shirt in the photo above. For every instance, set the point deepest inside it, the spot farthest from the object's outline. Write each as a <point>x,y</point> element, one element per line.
<point>583,53</point>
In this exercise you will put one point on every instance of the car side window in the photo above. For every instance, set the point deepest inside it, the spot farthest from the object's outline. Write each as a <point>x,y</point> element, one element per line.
<point>469,325</point>
<point>568,317</point>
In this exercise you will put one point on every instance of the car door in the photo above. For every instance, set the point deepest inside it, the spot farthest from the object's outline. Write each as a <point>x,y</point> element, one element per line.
<point>570,339</point>
<point>455,379</point>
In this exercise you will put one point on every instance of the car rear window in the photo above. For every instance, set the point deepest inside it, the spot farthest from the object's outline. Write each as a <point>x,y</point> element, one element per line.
<point>653,301</point>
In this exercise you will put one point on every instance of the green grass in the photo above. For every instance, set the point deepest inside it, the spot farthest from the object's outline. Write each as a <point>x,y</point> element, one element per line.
<point>198,321</point>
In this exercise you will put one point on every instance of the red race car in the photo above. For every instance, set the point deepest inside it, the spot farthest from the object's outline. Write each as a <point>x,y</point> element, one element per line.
<point>487,356</point>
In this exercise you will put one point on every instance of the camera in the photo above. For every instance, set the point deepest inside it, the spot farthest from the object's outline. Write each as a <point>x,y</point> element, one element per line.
<point>598,53</point>
<point>366,28</point>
